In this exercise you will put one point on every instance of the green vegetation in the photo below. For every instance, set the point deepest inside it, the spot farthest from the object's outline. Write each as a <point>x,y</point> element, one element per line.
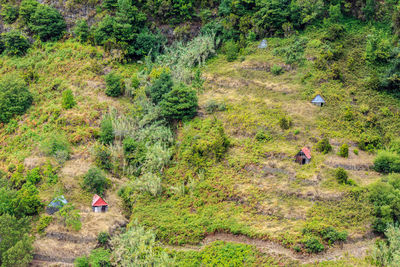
<point>68,100</point>
<point>115,85</point>
<point>69,217</point>
<point>324,146</point>
<point>386,253</point>
<point>47,23</point>
<point>179,104</point>
<point>344,150</point>
<point>95,181</point>
<point>341,175</point>
<point>15,44</point>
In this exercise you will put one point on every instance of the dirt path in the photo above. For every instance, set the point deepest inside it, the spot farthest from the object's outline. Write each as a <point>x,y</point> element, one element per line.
<point>355,248</point>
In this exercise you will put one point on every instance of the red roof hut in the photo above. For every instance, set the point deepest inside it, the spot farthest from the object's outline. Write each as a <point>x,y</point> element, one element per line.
<point>98,204</point>
<point>304,156</point>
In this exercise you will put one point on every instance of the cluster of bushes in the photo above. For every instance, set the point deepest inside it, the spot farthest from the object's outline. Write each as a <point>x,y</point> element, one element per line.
<point>387,252</point>
<point>324,146</point>
<point>385,198</point>
<point>387,162</point>
<point>315,233</point>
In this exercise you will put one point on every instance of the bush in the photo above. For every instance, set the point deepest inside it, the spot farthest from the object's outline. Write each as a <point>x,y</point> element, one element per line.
<point>263,136</point>
<point>213,106</point>
<point>331,235</point>
<point>44,221</point>
<point>15,97</point>
<point>103,238</point>
<point>81,262</point>
<point>27,201</point>
<point>135,153</point>
<point>81,31</point>
<point>387,162</point>
<point>341,175</point>
<point>9,13</point>
<point>56,145</point>
<point>387,252</point>
<point>68,100</point>
<point>20,254</point>
<point>276,70</point>
<point>12,230</point>
<point>100,257</point>
<point>114,84</point>
<point>285,123</point>
<point>103,157</point>
<point>324,146</point>
<point>47,23</point>
<point>15,44</point>
<point>231,51</point>
<point>95,181</point>
<point>106,131</point>
<point>344,151</point>
<point>313,245</point>
<point>70,217</point>
<point>26,9</point>
<point>33,176</point>
<point>160,87</point>
<point>180,103</point>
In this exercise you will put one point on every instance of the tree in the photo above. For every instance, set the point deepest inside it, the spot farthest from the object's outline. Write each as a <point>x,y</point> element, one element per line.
<point>20,255</point>
<point>47,23</point>
<point>26,9</point>
<point>11,231</point>
<point>161,87</point>
<point>15,44</point>
<point>387,162</point>
<point>27,201</point>
<point>68,101</point>
<point>15,97</point>
<point>95,181</point>
<point>9,13</point>
<point>104,31</point>
<point>81,30</point>
<point>114,84</point>
<point>180,103</point>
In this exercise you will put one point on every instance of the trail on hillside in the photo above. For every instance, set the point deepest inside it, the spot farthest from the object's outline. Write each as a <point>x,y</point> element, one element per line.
<point>357,248</point>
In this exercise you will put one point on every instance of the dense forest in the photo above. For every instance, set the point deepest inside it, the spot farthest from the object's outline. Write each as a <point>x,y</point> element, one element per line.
<point>188,118</point>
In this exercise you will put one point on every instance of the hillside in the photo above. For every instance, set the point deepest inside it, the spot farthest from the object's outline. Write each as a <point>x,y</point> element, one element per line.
<point>191,132</point>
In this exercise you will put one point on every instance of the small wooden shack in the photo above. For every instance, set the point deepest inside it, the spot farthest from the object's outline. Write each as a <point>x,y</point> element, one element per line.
<point>304,156</point>
<point>98,204</point>
<point>318,101</point>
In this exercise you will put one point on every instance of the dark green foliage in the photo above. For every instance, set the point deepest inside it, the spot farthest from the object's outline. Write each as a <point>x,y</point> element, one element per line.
<point>313,245</point>
<point>15,97</point>
<point>285,122</point>
<point>369,9</point>
<point>160,87</point>
<point>33,176</point>
<point>277,70</point>
<point>334,32</point>
<point>324,146</point>
<point>335,14</point>
<point>103,238</point>
<point>271,16</point>
<point>135,153</point>
<point>81,262</point>
<point>180,103</point>
<point>103,157</point>
<point>20,254</point>
<point>15,44</point>
<point>81,30</point>
<point>26,9</point>
<point>106,131</point>
<point>385,197</point>
<point>263,136</point>
<point>114,84</point>
<point>70,217</point>
<point>100,257</point>
<point>27,201</point>
<point>344,151</point>
<point>387,162</point>
<point>341,175</point>
<point>369,142</point>
<point>95,181</point>
<point>231,50</point>
<point>9,13</point>
<point>394,146</point>
<point>146,42</point>
<point>68,100</point>
<point>294,53</point>
<point>44,221</point>
<point>47,23</point>
<point>204,142</point>
<point>109,4</point>
<point>104,31</point>
<point>331,235</point>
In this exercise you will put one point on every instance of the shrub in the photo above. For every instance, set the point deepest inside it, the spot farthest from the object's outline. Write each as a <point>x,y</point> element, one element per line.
<point>47,23</point>
<point>114,84</point>
<point>100,257</point>
<point>9,13</point>
<point>341,175</point>
<point>27,201</point>
<point>103,157</point>
<point>15,97</point>
<point>12,230</point>
<point>81,30</point>
<point>394,146</point>
<point>263,136</point>
<point>33,176</point>
<point>103,238</point>
<point>68,100</point>
<point>56,145</point>
<point>344,151</point>
<point>324,146</point>
<point>44,221</point>
<point>20,254</point>
<point>180,103</point>
<point>106,131</point>
<point>387,252</point>
<point>26,9</point>
<point>355,151</point>
<point>160,87</point>
<point>231,51</point>
<point>70,217</point>
<point>15,44</point>
<point>313,245</point>
<point>276,70</point>
<point>387,162</point>
<point>331,235</point>
<point>212,106</point>
<point>135,153</point>
<point>285,123</point>
<point>147,42</point>
<point>95,181</point>
<point>81,262</point>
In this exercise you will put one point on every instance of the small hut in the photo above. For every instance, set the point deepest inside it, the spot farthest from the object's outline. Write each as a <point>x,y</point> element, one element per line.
<point>318,101</point>
<point>304,156</point>
<point>56,205</point>
<point>98,204</point>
